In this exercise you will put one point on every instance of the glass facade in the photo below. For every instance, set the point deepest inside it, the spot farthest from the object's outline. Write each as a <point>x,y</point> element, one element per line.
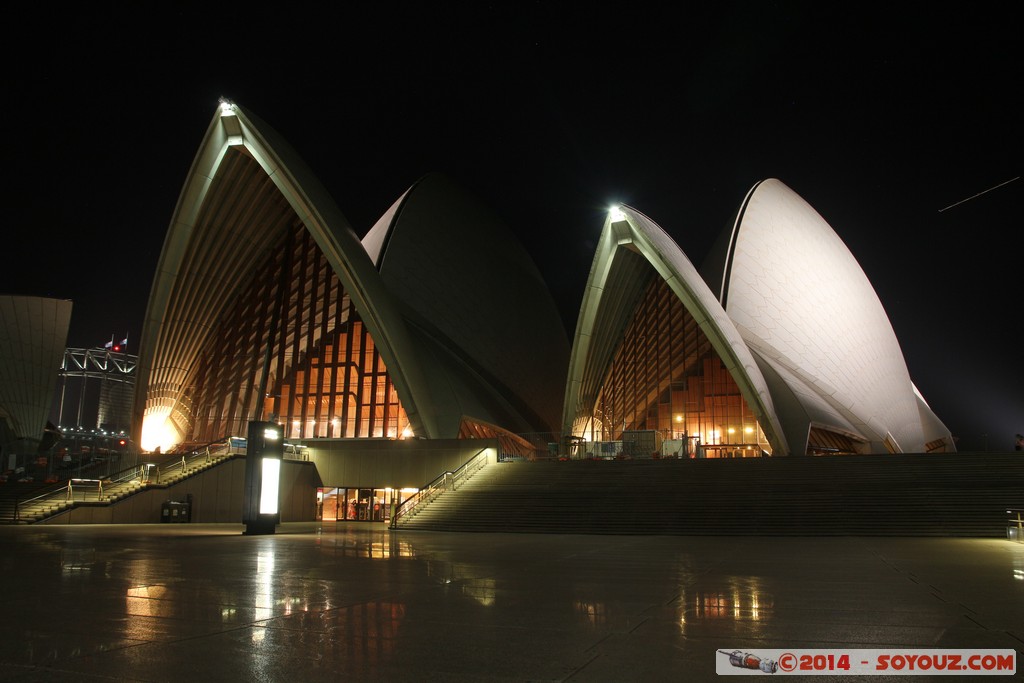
<point>294,350</point>
<point>665,377</point>
<point>359,504</point>
<point>510,446</point>
<point>826,442</point>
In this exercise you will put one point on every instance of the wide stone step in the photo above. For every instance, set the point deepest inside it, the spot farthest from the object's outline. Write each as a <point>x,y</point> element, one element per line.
<point>929,495</point>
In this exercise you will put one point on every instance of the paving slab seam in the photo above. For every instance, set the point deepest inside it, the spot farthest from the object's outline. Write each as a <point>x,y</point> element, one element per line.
<point>583,666</point>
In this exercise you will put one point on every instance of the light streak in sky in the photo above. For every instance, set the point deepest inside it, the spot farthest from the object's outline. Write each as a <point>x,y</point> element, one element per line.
<point>980,193</point>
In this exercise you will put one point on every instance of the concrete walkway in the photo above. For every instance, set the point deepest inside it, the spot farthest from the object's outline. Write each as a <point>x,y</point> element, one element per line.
<point>198,603</point>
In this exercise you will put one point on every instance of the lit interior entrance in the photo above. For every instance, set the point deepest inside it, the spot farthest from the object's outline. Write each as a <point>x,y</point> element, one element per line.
<point>359,504</point>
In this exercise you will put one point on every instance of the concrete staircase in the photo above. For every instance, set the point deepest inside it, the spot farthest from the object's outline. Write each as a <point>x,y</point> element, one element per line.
<point>963,494</point>
<point>56,499</point>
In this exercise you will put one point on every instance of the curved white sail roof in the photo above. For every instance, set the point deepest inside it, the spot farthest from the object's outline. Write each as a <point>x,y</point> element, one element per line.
<point>629,245</point>
<point>789,311</point>
<point>458,312</point>
<point>33,334</point>
<point>803,304</point>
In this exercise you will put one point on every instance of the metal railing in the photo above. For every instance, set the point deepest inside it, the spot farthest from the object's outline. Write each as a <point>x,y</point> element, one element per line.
<point>77,490</point>
<point>84,486</point>
<point>446,481</point>
<point>200,455</point>
<point>54,495</point>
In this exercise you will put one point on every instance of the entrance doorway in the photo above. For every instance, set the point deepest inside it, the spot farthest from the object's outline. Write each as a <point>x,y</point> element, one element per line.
<point>359,504</point>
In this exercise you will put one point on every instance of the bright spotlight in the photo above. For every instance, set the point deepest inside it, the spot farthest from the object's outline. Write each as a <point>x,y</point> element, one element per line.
<point>158,430</point>
<point>616,214</point>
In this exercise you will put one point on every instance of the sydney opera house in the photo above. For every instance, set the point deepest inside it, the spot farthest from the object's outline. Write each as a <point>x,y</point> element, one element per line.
<point>266,305</point>
<point>394,357</point>
<point>390,358</point>
<point>436,326</point>
<point>779,347</point>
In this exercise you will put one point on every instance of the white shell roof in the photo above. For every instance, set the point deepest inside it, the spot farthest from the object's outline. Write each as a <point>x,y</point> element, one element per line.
<point>33,335</point>
<point>462,275</point>
<point>801,301</point>
<point>230,212</point>
<point>628,247</point>
<point>220,218</point>
<point>795,321</point>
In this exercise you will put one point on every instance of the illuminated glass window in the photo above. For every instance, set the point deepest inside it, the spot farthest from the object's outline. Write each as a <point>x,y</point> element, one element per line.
<point>510,446</point>
<point>294,336</point>
<point>666,377</point>
<point>826,442</point>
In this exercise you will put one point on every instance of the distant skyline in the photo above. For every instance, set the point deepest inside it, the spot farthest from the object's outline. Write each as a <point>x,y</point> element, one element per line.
<point>899,126</point>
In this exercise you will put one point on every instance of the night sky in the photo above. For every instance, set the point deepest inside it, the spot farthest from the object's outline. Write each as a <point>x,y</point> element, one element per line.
<point>880,120</point>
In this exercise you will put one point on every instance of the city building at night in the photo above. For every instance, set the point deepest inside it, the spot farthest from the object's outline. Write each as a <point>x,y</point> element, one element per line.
<point>780,346</point>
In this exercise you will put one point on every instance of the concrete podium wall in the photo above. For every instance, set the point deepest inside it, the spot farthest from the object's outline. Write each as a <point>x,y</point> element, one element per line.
<point>217,492</point>
<point>216,498</point>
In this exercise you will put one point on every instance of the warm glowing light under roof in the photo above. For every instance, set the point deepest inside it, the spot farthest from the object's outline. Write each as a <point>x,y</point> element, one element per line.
<point>616,214</point>
<point>158,431</point>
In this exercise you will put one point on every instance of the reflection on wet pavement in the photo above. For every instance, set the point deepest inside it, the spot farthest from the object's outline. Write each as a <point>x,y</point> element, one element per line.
<point>149,603</point>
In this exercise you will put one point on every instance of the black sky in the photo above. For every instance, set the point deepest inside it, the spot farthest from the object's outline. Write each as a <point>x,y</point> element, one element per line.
<point>878,117</point>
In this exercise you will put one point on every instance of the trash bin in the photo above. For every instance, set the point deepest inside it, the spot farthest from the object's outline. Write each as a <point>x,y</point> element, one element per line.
<point>184,512</point>
<point>165,511</point>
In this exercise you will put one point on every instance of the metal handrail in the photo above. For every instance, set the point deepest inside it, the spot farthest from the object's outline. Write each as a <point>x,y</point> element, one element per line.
<point>224,440</point>
<point>126,475</point>
<point>205,455</point>
<point>446,481</point>
<point>71,490</point>
<point>54,492</point>
<point>66,491</point>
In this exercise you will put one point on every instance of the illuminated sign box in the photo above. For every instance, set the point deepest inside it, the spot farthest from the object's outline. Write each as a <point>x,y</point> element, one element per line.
<point>261,502</point>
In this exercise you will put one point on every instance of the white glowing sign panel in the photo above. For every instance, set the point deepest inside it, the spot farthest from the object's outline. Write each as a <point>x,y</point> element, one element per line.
<point>269,486</point>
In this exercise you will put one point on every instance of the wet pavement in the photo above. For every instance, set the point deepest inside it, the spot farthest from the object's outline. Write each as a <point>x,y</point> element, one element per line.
<point>173,602</point>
